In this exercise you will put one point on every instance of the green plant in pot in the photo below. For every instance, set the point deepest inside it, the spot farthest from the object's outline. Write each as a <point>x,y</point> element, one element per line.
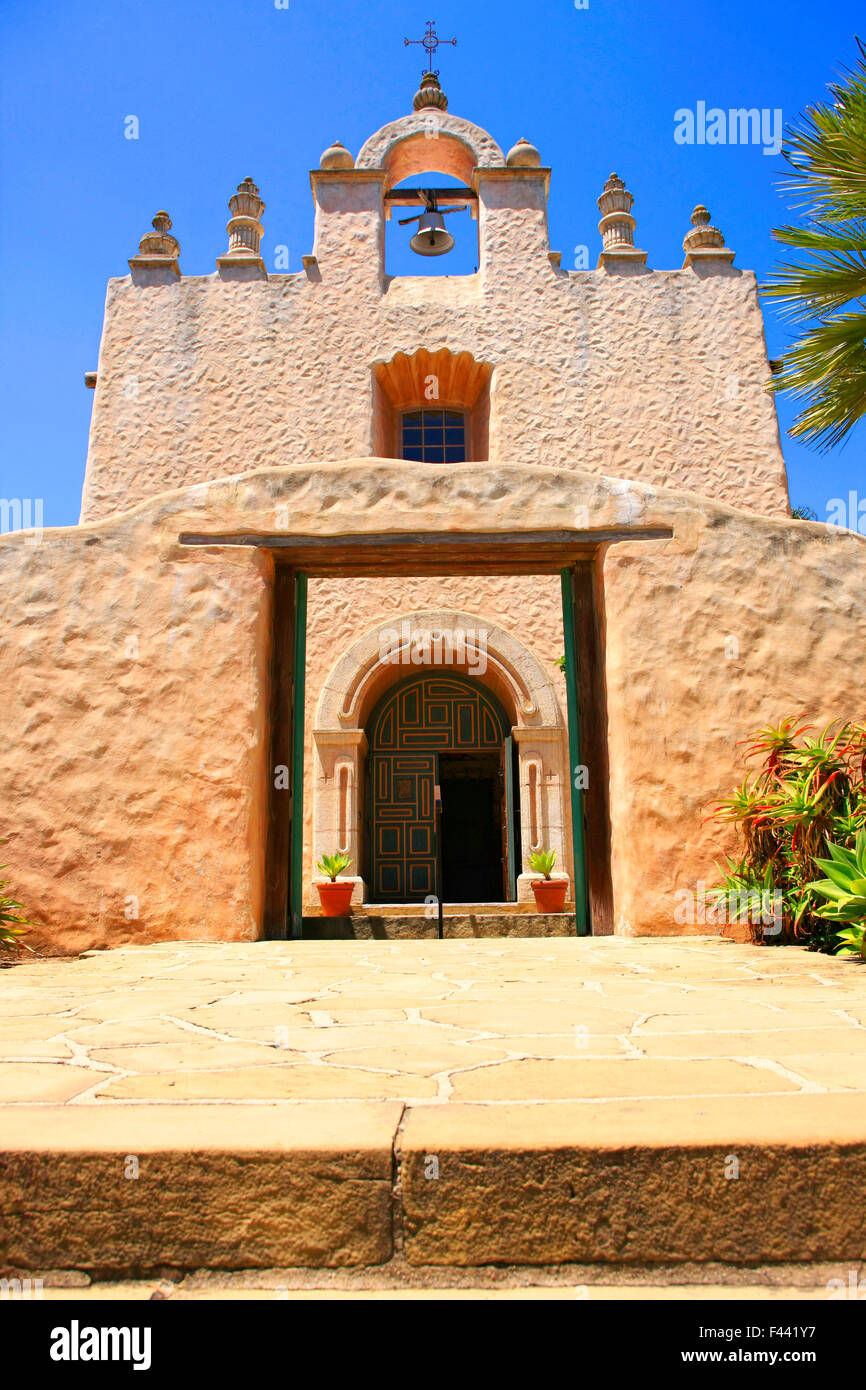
<point>335,896</point>
<point>845,891</point>
<point>549,892</point>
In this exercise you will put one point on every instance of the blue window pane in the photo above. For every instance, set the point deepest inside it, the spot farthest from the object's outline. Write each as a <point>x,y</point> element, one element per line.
<point>433,436</point>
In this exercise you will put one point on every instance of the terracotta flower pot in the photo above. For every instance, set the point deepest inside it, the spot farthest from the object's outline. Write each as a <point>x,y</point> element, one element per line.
<point>335,897</point>
<point>550,893</point>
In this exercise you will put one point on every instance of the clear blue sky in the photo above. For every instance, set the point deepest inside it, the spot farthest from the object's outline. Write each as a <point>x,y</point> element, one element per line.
<point>234,87</point>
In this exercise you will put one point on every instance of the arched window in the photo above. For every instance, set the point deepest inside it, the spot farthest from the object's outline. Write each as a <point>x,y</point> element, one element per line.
<point>432,407</point>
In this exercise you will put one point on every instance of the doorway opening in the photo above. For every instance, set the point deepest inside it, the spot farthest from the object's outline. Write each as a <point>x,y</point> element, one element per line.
<point>474,849</point>
<point>440,732</point>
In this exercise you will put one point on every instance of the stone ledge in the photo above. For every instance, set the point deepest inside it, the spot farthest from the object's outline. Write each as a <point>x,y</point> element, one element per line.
<point>291,1185</point>
<point>635,1182</point>
<point>363,926</point>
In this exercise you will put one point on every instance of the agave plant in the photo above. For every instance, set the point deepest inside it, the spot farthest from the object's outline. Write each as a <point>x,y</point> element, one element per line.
<point>750,806</point>
<point>845,891</point>
<point>542,861</point>
<point>804,808</point>
<point>809,790</point>
<point>744,895</point>
<point>333,864</point>
<point>774,743</point>
<point>12,925</point>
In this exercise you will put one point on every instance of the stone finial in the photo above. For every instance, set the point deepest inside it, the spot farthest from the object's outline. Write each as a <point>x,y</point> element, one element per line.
<point>336,156</point>
<point>158,250</point>
<point>523,155</point>
<point>429,94</point>
<point>617,224</point>
<point>705,244</point>
<point>244,227</point>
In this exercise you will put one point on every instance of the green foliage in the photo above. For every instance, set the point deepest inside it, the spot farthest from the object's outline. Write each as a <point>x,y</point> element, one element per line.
<point>333,864</point>
<point>804,514</point>
<point>12,925</point>
<point>845,891</point>
<point>542,861</point>
<point>808,792</point>
<point>822,293</point>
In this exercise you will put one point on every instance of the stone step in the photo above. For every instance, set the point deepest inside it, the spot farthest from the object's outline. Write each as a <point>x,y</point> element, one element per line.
<point>448,909</point>
<point>120,1190</point>
<point>366,926</point>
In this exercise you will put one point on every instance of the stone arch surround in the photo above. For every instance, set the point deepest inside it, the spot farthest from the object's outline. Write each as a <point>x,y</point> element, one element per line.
<point>382,657</point>
<point>430,139</point>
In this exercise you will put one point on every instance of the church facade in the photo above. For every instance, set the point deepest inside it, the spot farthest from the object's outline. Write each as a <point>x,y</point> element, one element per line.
<point>354,548</point>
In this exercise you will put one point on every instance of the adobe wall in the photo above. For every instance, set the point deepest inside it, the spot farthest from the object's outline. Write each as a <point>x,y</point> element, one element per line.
<point>137,769</point>
<point>658,376</point>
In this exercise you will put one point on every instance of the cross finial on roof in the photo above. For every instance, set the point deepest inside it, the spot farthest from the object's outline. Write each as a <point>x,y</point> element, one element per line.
<point>430,43</point>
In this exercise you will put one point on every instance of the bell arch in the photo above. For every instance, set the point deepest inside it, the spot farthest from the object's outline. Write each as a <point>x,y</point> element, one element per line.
<point>445,642</point>
<point>430,139</point>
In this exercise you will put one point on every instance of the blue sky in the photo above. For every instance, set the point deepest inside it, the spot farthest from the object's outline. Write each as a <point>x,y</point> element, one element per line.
<point>234,87</point>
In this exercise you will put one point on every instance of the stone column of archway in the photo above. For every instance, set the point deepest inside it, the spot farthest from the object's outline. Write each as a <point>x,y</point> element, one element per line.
<point>456,642</point>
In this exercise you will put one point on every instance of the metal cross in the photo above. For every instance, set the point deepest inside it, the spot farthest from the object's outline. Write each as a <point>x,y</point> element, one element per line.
<point>430,42</point>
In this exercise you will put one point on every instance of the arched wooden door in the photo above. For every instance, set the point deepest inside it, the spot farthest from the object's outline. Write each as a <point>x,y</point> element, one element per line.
<point>450,731</point>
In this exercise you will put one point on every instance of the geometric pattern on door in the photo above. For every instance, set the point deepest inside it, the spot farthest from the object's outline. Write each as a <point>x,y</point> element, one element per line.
<point>418,719</point>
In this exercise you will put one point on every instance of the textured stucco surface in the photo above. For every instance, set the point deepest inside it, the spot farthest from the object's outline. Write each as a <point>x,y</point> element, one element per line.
<point>146,775</point>
<point>340,611</point>
<point>659,376</point>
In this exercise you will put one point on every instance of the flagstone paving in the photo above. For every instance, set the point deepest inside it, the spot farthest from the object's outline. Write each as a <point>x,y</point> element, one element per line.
<point>290,1103</point>
<point>487,1021</point>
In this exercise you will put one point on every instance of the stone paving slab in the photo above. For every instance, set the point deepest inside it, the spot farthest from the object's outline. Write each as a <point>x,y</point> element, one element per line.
<point>672,1052</point>
<point>134,1187</point>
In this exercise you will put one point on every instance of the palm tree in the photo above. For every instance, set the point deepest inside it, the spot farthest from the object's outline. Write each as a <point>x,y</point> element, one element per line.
<point>823,292</point>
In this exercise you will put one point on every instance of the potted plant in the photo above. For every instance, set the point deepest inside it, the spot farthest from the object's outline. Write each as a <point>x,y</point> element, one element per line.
<point>549,892</point>
<point>335,897</point>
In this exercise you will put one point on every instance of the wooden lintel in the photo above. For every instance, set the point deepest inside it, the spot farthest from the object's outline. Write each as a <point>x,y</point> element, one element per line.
<point>399,554</point>
<point>410,197</point>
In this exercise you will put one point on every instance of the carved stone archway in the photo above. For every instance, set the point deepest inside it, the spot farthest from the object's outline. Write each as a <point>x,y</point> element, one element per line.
<point>448,641</point>
<point>430,139</point>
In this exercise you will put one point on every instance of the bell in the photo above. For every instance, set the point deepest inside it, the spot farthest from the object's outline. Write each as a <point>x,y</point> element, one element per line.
<point>431,238</point>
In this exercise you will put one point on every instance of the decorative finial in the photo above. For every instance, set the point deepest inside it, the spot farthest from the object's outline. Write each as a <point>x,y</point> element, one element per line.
<point>523,155</point>
<point>158,249</point>
<point>430,43</point>
<point>244,227</point>
<point>705,244</point>
<point>617,224</point>
<point>336,156</point>
<point>430,94</point>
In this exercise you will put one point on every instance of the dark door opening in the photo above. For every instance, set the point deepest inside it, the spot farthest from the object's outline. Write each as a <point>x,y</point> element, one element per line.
<point>471,828</point>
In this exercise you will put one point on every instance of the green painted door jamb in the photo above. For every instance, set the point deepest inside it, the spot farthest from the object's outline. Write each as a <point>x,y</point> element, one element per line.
<point>581,915</point>
<point>509,818</point>
<point>299,674</point>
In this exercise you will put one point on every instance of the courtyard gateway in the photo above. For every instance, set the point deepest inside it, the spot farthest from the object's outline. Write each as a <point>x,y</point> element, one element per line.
<point>272,485</point>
